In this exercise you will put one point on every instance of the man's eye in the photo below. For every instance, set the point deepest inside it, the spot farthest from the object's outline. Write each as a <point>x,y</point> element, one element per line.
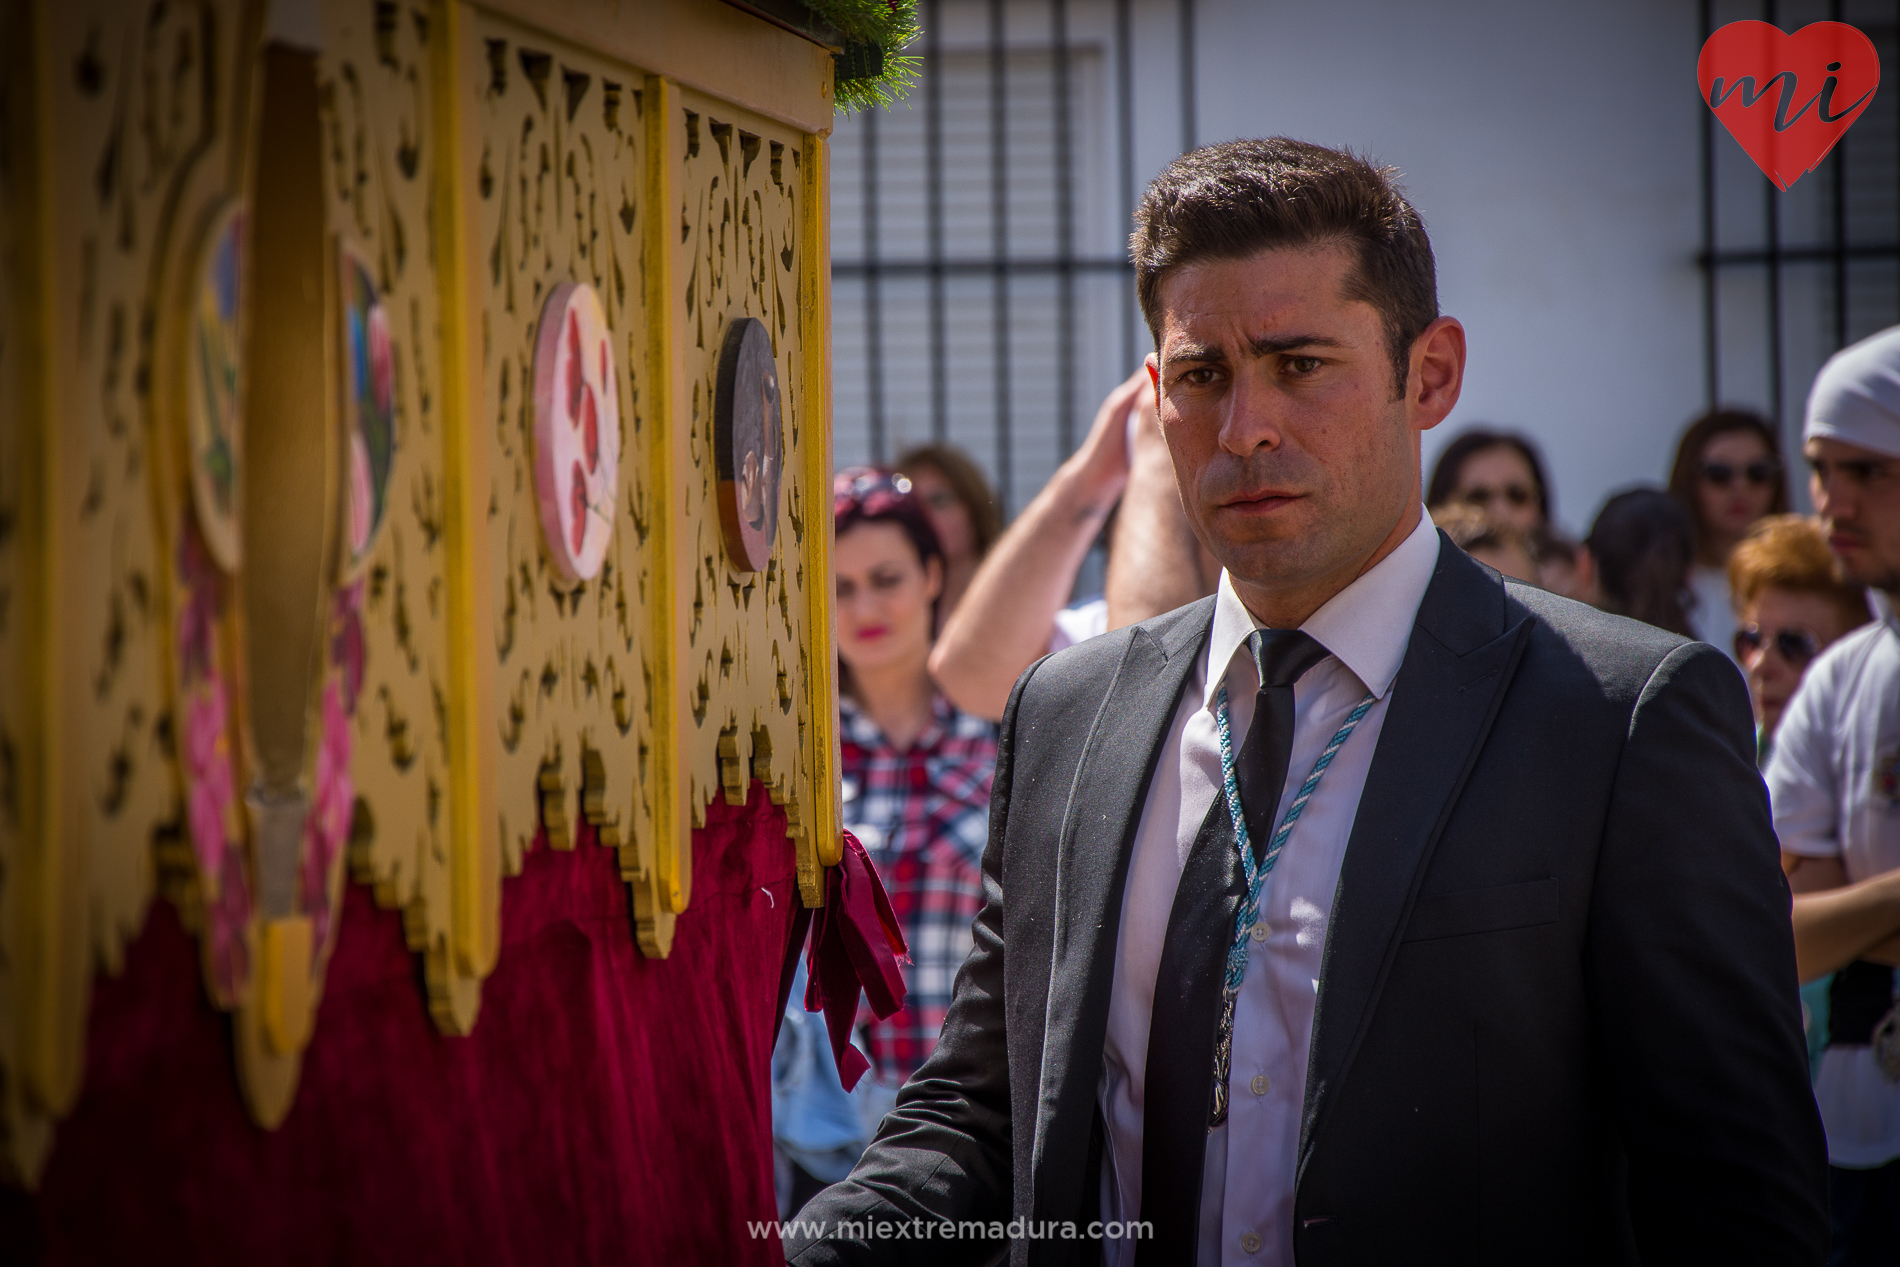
<point>1199,377</point>
<point>1303,364</point>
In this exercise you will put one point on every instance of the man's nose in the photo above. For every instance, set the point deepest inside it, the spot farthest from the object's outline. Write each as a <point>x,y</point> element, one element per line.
<point>1832,498</point>
<point>1251,418</point>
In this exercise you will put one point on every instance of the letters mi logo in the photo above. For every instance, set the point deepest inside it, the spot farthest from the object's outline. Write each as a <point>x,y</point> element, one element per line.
<point>1788,99</point>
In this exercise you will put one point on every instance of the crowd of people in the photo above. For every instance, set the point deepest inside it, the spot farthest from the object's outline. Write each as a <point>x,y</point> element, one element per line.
<point>941,608</point>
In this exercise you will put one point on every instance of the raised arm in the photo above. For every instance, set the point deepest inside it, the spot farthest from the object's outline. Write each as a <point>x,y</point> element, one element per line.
<point>1155,563</point>
<point>944,1151</point>
<point>1691,969</point>
<point>1004,622</point>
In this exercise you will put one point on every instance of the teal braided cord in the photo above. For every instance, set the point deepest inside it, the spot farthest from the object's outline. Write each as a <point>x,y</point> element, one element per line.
<point>1256,872</point>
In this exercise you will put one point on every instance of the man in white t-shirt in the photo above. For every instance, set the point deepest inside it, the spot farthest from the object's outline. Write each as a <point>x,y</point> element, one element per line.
<point>1835,784</point>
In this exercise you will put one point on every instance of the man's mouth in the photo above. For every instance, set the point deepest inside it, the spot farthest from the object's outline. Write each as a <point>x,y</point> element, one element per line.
<point>1838,540</point>
<point>1264,502</point>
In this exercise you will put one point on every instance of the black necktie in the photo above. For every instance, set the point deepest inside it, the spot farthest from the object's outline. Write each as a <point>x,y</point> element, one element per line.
<point>1178,1078</point>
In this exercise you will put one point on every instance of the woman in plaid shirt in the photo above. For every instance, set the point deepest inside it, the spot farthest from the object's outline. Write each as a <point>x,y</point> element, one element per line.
<point>916,775</point>
<point>916,771</point>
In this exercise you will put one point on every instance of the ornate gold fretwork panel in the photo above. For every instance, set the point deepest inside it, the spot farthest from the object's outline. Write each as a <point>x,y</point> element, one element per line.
<point>578,667</point>
<point>378,95</point>
<point>747,647</point>
<point>228,715</point>
<point>103,208</point>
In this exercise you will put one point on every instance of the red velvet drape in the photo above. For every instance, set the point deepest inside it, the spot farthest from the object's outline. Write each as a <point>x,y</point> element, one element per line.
<point>607,1109</point>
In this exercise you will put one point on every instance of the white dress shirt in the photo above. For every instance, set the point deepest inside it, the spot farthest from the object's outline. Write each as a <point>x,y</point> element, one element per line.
<point>1834,782</point>
<point>1247,1189</point>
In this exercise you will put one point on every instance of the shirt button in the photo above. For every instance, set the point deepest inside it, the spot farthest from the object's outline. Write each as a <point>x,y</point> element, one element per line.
<point>1250,1241</point>
<point>1260,1085</point>
<point>1259,931</point>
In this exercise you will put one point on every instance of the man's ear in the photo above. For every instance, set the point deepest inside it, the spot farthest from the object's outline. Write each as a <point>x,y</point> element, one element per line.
<point>1437,373</point>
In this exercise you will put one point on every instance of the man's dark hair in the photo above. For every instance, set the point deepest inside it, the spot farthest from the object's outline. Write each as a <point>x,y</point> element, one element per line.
<point>1233,200</point>
<point>1644,543</point>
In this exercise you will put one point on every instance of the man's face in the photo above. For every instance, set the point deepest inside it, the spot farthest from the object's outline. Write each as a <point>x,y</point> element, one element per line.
<point>1857,495</point>
<point>1295,460</point>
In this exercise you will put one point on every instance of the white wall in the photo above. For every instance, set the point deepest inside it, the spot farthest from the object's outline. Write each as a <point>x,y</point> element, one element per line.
<point>1553,153</point>
<point>1553,150</point>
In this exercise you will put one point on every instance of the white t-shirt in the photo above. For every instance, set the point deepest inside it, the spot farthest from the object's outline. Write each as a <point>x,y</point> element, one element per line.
<point>1714,616</point>
<point>1834,780</point>
<point>1085,620</point>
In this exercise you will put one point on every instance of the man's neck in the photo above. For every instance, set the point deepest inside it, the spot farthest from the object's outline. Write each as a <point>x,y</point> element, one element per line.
<point>1290,607</point>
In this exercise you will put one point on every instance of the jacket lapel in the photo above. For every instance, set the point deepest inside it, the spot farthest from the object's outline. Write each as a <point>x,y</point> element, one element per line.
<point>1099,824</point>
<point>1459,661</point>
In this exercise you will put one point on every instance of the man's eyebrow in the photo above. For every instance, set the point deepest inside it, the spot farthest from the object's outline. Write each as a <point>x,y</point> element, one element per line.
<point>1268,347</point>
<point>1263,346</point>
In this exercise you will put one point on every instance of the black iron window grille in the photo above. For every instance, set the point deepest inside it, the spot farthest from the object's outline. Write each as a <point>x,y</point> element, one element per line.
<point>981,289</point>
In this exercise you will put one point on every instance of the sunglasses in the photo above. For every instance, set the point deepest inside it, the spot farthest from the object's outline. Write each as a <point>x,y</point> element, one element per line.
<point>1481,496</point>
<point>1721,474</point>
<point>1794,646</point>
<point>873,493</point>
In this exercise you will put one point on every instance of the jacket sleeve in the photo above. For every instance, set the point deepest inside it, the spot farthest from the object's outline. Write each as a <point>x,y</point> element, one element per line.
<point>1690,965</point>
<point>943,1153</point>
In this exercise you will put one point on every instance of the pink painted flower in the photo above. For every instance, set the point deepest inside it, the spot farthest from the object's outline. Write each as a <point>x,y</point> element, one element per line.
<point>381,367</point>
<point>208,772</point>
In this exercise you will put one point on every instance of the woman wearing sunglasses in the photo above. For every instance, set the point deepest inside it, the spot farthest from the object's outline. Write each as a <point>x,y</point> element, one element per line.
<point>1790,603</point>
<point>1498,473</point>
<point>1728,473</point>
<point>963,510</point>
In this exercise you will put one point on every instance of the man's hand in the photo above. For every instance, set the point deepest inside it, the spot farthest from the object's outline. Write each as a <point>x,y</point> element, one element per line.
<point>1009,612</point>
<point>1155,563</point>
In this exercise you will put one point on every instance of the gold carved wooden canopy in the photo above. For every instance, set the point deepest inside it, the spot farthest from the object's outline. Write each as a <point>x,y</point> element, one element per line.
<point>275,604</point>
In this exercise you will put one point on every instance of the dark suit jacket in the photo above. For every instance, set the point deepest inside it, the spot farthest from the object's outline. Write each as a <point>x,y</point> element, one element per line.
<point>1557,1021</point>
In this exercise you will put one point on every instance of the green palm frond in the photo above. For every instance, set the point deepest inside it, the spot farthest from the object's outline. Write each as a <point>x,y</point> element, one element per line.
<point>873,69</point>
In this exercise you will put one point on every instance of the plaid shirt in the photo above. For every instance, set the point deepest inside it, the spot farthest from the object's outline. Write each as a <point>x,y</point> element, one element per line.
<point>923,816</point>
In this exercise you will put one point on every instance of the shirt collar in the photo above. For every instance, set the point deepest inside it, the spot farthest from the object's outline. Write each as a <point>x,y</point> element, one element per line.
<point>858,727</point>
<point>1366,625</point>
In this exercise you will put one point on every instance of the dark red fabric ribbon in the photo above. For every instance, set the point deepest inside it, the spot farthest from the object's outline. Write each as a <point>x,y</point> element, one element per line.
<point>855,945</point>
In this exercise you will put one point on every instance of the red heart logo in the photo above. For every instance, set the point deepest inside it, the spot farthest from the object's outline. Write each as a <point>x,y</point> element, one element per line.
<point>1787,99</point>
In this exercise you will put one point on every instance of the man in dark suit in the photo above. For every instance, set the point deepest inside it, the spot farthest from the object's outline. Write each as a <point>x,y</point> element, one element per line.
<point>1377,909</point>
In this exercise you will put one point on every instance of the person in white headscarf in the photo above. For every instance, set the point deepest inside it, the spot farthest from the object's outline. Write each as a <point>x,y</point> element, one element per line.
<point>1834,780</point>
